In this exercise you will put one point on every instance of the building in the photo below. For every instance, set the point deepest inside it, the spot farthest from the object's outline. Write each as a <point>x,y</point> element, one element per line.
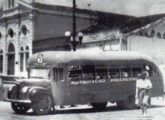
<point>23,23</point>
<point>149,39</point>
<point>27,27</point>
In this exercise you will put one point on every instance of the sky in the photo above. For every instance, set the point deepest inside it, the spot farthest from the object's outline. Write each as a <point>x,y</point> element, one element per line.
<point>127,7</point>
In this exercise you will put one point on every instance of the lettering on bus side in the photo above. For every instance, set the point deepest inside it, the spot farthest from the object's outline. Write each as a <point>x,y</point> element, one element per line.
<point>91,74</point>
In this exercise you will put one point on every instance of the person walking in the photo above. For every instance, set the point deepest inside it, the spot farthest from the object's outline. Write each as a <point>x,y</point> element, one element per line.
<point>143,87</point>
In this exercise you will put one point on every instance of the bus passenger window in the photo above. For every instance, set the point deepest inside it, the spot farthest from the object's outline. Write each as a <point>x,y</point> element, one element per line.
<point>114,73</point>
<point>136,72</point>
<point>88,72</point>
<point>101,73</point>
<point>75,73</point>
<point>147,67</point>
<point>125,72</point>
<point>149,70</point>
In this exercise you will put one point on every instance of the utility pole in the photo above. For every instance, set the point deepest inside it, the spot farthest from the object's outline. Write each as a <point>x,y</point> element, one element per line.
<point>77,37</point>
<point>74,43</point>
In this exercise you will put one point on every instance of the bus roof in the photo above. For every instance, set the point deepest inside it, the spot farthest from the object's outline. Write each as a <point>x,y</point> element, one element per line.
<point>53,58</point>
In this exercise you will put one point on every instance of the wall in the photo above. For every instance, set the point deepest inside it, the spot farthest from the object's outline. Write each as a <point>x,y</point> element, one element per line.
<point>153,47</point>
<point>49,26</point>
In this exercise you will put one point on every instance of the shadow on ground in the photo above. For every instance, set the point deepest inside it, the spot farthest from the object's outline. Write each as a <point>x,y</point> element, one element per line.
<point>88,110</point>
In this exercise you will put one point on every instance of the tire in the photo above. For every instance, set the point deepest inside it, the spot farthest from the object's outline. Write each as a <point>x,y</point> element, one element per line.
<point>41,104</point>
<point>20,108</point>
<point>120,104</point>
<point>99,106</point>
<point>127,104</point>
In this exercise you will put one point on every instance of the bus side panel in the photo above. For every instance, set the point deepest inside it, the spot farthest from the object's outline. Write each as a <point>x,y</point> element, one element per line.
<point>157,84</point>
<point>102,92</point>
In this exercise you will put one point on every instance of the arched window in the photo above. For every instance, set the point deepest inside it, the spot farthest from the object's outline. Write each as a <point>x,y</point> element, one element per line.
<point>159,35</point>
<point>11,59</point>
<point>11,33</point>
<point>21,59</point>
<point>152,33</point>
<point>1,61</point>
<point>11,48</point>
<point>11,3</point>
<point>24,30</point>
<point>27,55</point>
<point>27,48</point>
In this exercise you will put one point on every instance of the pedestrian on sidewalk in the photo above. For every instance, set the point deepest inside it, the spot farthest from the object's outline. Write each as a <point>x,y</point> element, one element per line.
<point>143,87</point>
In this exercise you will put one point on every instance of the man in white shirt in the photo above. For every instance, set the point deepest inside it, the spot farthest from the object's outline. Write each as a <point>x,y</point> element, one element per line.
<point>143,87</point>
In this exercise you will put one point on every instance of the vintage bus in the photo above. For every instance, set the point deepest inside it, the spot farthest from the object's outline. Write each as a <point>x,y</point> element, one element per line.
<point>84,77</point>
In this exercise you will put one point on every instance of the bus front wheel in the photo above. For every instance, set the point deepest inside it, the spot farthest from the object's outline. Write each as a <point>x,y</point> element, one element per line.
<point>20,108</point>
<point>41,104</point>
<point>99,106</point>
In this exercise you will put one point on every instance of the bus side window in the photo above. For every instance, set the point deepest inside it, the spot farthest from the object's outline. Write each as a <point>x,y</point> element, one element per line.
<point>88,72</point>
<point>150,70</point>
<point>114,72</point>
<point>102,73</point>
<point>125,72</point>
<point>75,73</point>
<point>136,71</point>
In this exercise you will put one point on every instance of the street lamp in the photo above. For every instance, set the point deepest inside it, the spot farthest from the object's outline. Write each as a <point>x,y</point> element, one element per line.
<point>76,38</point>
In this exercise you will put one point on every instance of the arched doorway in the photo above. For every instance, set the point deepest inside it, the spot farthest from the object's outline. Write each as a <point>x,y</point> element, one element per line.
<point>11,60</point>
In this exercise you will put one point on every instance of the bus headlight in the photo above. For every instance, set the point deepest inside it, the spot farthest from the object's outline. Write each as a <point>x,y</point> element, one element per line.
<point>24,89</point>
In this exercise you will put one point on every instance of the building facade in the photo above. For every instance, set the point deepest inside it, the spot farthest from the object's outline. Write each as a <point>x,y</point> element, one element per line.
<point>150,40</point>
<point>23,23</point>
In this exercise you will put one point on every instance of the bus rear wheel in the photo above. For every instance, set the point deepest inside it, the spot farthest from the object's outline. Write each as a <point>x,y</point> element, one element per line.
<point>99,106</point>
<point>20,108</point>
<point>41,104</point>
<point>127,104</point>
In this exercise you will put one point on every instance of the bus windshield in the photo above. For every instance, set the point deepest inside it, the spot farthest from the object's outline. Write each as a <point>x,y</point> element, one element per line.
<point>39,73</point>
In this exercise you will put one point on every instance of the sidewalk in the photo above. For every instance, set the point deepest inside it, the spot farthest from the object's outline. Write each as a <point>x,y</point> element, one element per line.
<point>158,101</point>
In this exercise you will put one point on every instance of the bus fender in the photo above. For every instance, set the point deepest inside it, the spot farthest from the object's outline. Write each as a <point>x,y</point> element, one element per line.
<point>36,91</point>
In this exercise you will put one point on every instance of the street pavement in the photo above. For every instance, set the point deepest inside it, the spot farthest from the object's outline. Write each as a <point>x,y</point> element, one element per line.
<point>84,112</point>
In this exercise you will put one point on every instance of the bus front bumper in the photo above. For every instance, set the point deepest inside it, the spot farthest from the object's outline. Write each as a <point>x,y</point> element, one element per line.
<point>19,101</point>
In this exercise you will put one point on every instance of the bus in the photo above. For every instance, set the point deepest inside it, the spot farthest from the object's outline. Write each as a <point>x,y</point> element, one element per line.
<point>84,77</point>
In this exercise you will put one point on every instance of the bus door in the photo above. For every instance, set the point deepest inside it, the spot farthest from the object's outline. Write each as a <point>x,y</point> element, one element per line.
<point>59,86</point>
